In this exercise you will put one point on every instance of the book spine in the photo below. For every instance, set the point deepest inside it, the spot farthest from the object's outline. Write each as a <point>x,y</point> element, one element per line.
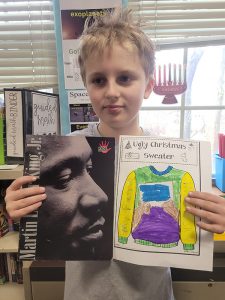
<point>14,125</point>
<point>19,271</point>
<point>27,112</point>
<point>8,260</point>
<point>4,227</point>
<point>2,269</point>
<point>2,135</point>
<point>13,267</point>
<point>6,267</point>
<point>28,224</point>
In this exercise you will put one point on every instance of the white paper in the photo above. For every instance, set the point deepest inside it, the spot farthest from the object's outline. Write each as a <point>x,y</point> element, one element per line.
<point>14,123</point>
<point>78,97</point>
<point>151,225</point>
<point>45,110</point>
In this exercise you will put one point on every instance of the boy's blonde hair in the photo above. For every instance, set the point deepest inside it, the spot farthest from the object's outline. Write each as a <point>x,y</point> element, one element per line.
<point>116,27</point>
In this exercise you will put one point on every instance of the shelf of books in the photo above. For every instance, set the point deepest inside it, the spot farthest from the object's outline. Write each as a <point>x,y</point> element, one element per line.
<point>11,278</point>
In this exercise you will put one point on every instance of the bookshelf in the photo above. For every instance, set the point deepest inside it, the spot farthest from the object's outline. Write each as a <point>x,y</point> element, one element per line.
<point>9,243</point>
<point>11,174</point>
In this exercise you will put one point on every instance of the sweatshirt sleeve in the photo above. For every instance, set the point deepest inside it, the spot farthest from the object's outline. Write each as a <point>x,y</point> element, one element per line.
<point>188,233</point>
<point>127,208</point>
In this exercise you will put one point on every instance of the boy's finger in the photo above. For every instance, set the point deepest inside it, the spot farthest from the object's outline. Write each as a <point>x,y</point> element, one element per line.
<point>214,228</point>
<point>25,211</point>
<point>204,204</point>
<point>208,220</point>
<point>205,196</point>
<point>19,182</point>
<point>24,193</point>
<point>201,213</point>
<point>29,201</point>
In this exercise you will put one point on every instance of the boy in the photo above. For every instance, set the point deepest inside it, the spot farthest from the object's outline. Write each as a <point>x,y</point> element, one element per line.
<point>117,64</point>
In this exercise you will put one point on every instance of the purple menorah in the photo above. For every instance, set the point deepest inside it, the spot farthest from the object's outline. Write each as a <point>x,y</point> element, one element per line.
<point>172,82</point>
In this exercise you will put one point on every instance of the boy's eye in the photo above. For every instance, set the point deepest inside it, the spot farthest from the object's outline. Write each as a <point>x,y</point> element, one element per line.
<point>124,79</point>
<point>99,81</point>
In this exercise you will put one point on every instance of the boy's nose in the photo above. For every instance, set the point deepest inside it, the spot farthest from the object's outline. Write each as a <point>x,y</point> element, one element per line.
<point>112,90</point>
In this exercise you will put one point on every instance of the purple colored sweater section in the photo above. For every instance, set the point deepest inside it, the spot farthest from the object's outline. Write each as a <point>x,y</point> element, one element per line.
<point>158,227</point>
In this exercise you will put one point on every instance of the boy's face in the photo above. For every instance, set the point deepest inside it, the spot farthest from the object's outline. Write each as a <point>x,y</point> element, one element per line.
<point>117,85</point>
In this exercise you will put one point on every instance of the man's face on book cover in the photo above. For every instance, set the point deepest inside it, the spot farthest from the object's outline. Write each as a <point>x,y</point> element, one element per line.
<point>71,219</point>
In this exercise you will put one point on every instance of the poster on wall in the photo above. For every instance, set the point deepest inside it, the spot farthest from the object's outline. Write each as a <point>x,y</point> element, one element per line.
<point>73,16</point>
<point>82,113</point>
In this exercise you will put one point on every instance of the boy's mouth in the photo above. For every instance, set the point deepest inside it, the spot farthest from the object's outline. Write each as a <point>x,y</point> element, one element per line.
<point>113,108</point>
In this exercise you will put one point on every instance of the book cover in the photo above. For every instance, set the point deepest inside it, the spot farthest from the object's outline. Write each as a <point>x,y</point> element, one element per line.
<point>152,226</point>
<point>28,112</point>
<point>75,222</point>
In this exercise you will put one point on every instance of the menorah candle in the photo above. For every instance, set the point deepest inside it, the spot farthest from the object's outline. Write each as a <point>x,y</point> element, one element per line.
<point>164,73</point>
<point>184,73</point>
<point>159,75</point>
<point>179,73</point>
<point>169,72</point>
<point>174,74</point>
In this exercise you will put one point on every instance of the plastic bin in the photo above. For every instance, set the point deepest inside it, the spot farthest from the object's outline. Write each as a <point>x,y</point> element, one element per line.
<point>220,172</point>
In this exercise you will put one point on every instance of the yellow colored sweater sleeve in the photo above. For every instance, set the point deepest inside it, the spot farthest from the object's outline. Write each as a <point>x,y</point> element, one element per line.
<point>188,233</point>
<point>127,208</point>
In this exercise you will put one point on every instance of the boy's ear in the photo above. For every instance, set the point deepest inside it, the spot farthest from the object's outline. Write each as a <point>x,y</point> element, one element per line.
<point>149,87</point>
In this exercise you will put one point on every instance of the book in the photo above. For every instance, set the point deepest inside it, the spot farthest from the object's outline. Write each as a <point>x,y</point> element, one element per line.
<point>2,269</point>
<point>4,226</point>
<point>75,222</point>
<point>28,112</point>
<point>8,264</point>
<point>2,132</point>
<point>151,226</point>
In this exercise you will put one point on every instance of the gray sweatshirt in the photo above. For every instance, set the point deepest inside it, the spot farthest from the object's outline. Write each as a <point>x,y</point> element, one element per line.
<point>115,280</point>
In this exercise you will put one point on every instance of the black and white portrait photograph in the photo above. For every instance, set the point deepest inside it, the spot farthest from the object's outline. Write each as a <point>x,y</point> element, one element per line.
<point>75,222</point>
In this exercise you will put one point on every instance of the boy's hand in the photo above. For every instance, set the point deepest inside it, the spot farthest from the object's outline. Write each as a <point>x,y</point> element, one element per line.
<point>22,201</point>
<point>210,208</point>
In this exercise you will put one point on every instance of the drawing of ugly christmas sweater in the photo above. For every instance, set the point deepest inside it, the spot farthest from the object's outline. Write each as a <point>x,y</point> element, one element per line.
<point>152,208</point>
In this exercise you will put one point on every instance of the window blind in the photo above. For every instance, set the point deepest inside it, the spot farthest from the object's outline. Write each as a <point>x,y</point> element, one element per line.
<point>175,24</point>
<point>27,44</point>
